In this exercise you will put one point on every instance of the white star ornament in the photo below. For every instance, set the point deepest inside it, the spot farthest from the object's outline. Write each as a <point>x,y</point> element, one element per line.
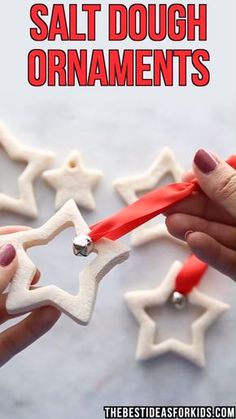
<point>37,161</point>
<point>23,297</point>
<point>73,181</point>
<point>139,301</point>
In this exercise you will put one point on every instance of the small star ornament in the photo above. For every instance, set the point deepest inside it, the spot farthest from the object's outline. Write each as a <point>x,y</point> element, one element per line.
<point>23,297</point>
<point>139,301</point>
<point>129,187</point>
<point>37,161</point>
<point>73,181</point>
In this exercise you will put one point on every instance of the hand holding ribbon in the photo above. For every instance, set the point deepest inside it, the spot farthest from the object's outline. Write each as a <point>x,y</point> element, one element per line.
<point>148,207</point>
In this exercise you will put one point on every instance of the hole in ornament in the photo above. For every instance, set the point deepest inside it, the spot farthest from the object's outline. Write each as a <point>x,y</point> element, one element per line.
<point>72,164</point>
<point>174,323</point>
<point>166,179</point>
<point>58,264</point>
<point>10,171</point>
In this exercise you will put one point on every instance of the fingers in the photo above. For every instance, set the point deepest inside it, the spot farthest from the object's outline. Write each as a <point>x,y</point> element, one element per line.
<point>13,229</point>
<point>199,205</point>
<point>4,315</point>
<point>188,176</point>
<point>211,242</point>
<point>18,337</point>
<point>213,253</point>
<point>8,258</point>
<point>8,264</point>
<point>179,224</point>
<point>217,179</point>
<point>219,184</point>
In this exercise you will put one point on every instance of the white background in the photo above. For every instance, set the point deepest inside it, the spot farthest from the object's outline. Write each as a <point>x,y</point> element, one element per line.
<point>73,371</point>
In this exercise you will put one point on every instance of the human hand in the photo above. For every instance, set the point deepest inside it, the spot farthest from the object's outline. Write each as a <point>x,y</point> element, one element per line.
<point>19,336</point>
<point>208,222</point>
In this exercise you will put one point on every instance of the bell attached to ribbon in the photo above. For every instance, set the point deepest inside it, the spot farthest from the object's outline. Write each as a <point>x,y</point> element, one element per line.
<point>82,245</point>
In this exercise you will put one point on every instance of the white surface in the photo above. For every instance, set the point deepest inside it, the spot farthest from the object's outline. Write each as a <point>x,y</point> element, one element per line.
<point>120,131</point>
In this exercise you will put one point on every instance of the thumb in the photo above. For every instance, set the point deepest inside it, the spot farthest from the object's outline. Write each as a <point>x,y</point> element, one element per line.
<point>8,263</point>
<point>217,179</point>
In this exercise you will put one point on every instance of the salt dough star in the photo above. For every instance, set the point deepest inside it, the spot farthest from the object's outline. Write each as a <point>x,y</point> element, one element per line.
<point>129,187</point>
<point>38,161</point>
<point>22,297</point>
<point>73,181</point>
<point>138,301</point>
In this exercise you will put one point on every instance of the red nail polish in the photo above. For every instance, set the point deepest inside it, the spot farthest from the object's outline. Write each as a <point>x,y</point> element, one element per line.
<point>204,161</point>
<point>7,254</point>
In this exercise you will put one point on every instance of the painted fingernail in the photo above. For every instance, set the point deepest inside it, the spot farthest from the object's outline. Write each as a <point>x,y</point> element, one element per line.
<point>187,234</point>
<point>7,254</point>
<point>205,161</point>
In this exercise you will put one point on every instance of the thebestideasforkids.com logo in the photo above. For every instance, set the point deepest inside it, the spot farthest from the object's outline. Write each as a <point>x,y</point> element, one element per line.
<point>134,25</point>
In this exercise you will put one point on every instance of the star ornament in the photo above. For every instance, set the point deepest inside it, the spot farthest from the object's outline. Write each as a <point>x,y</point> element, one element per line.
<point>73,181</point>
<point>139,301</point>
<point>129,187</point>
<point>37,161</point>
<point>23,297</point>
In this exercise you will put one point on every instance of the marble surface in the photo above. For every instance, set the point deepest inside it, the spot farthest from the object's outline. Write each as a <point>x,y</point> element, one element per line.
<point>73,371</point>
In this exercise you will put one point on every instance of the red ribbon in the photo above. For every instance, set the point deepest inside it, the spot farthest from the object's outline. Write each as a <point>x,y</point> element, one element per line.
<point>190,275</point>
<point>148,207</point>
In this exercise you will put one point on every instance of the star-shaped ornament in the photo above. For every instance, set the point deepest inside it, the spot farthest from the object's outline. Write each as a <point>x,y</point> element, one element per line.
<point>23,297</point>
<point>129,187</point>
<point>73,181</point>
<point>140,301</point>
<point>37,161</point>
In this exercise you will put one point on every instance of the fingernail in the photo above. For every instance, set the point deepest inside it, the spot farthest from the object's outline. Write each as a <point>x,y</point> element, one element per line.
<point>7,254</point>
<point>204,161</point>
<point>187,234</point>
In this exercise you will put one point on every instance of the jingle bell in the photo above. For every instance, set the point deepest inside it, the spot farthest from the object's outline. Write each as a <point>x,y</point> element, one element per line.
<point>82,245</point>
<point>178,300</point>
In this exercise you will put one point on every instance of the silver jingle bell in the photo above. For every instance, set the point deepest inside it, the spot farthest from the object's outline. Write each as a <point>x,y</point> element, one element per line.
<point>178,300</point>
<point>82,245</point>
